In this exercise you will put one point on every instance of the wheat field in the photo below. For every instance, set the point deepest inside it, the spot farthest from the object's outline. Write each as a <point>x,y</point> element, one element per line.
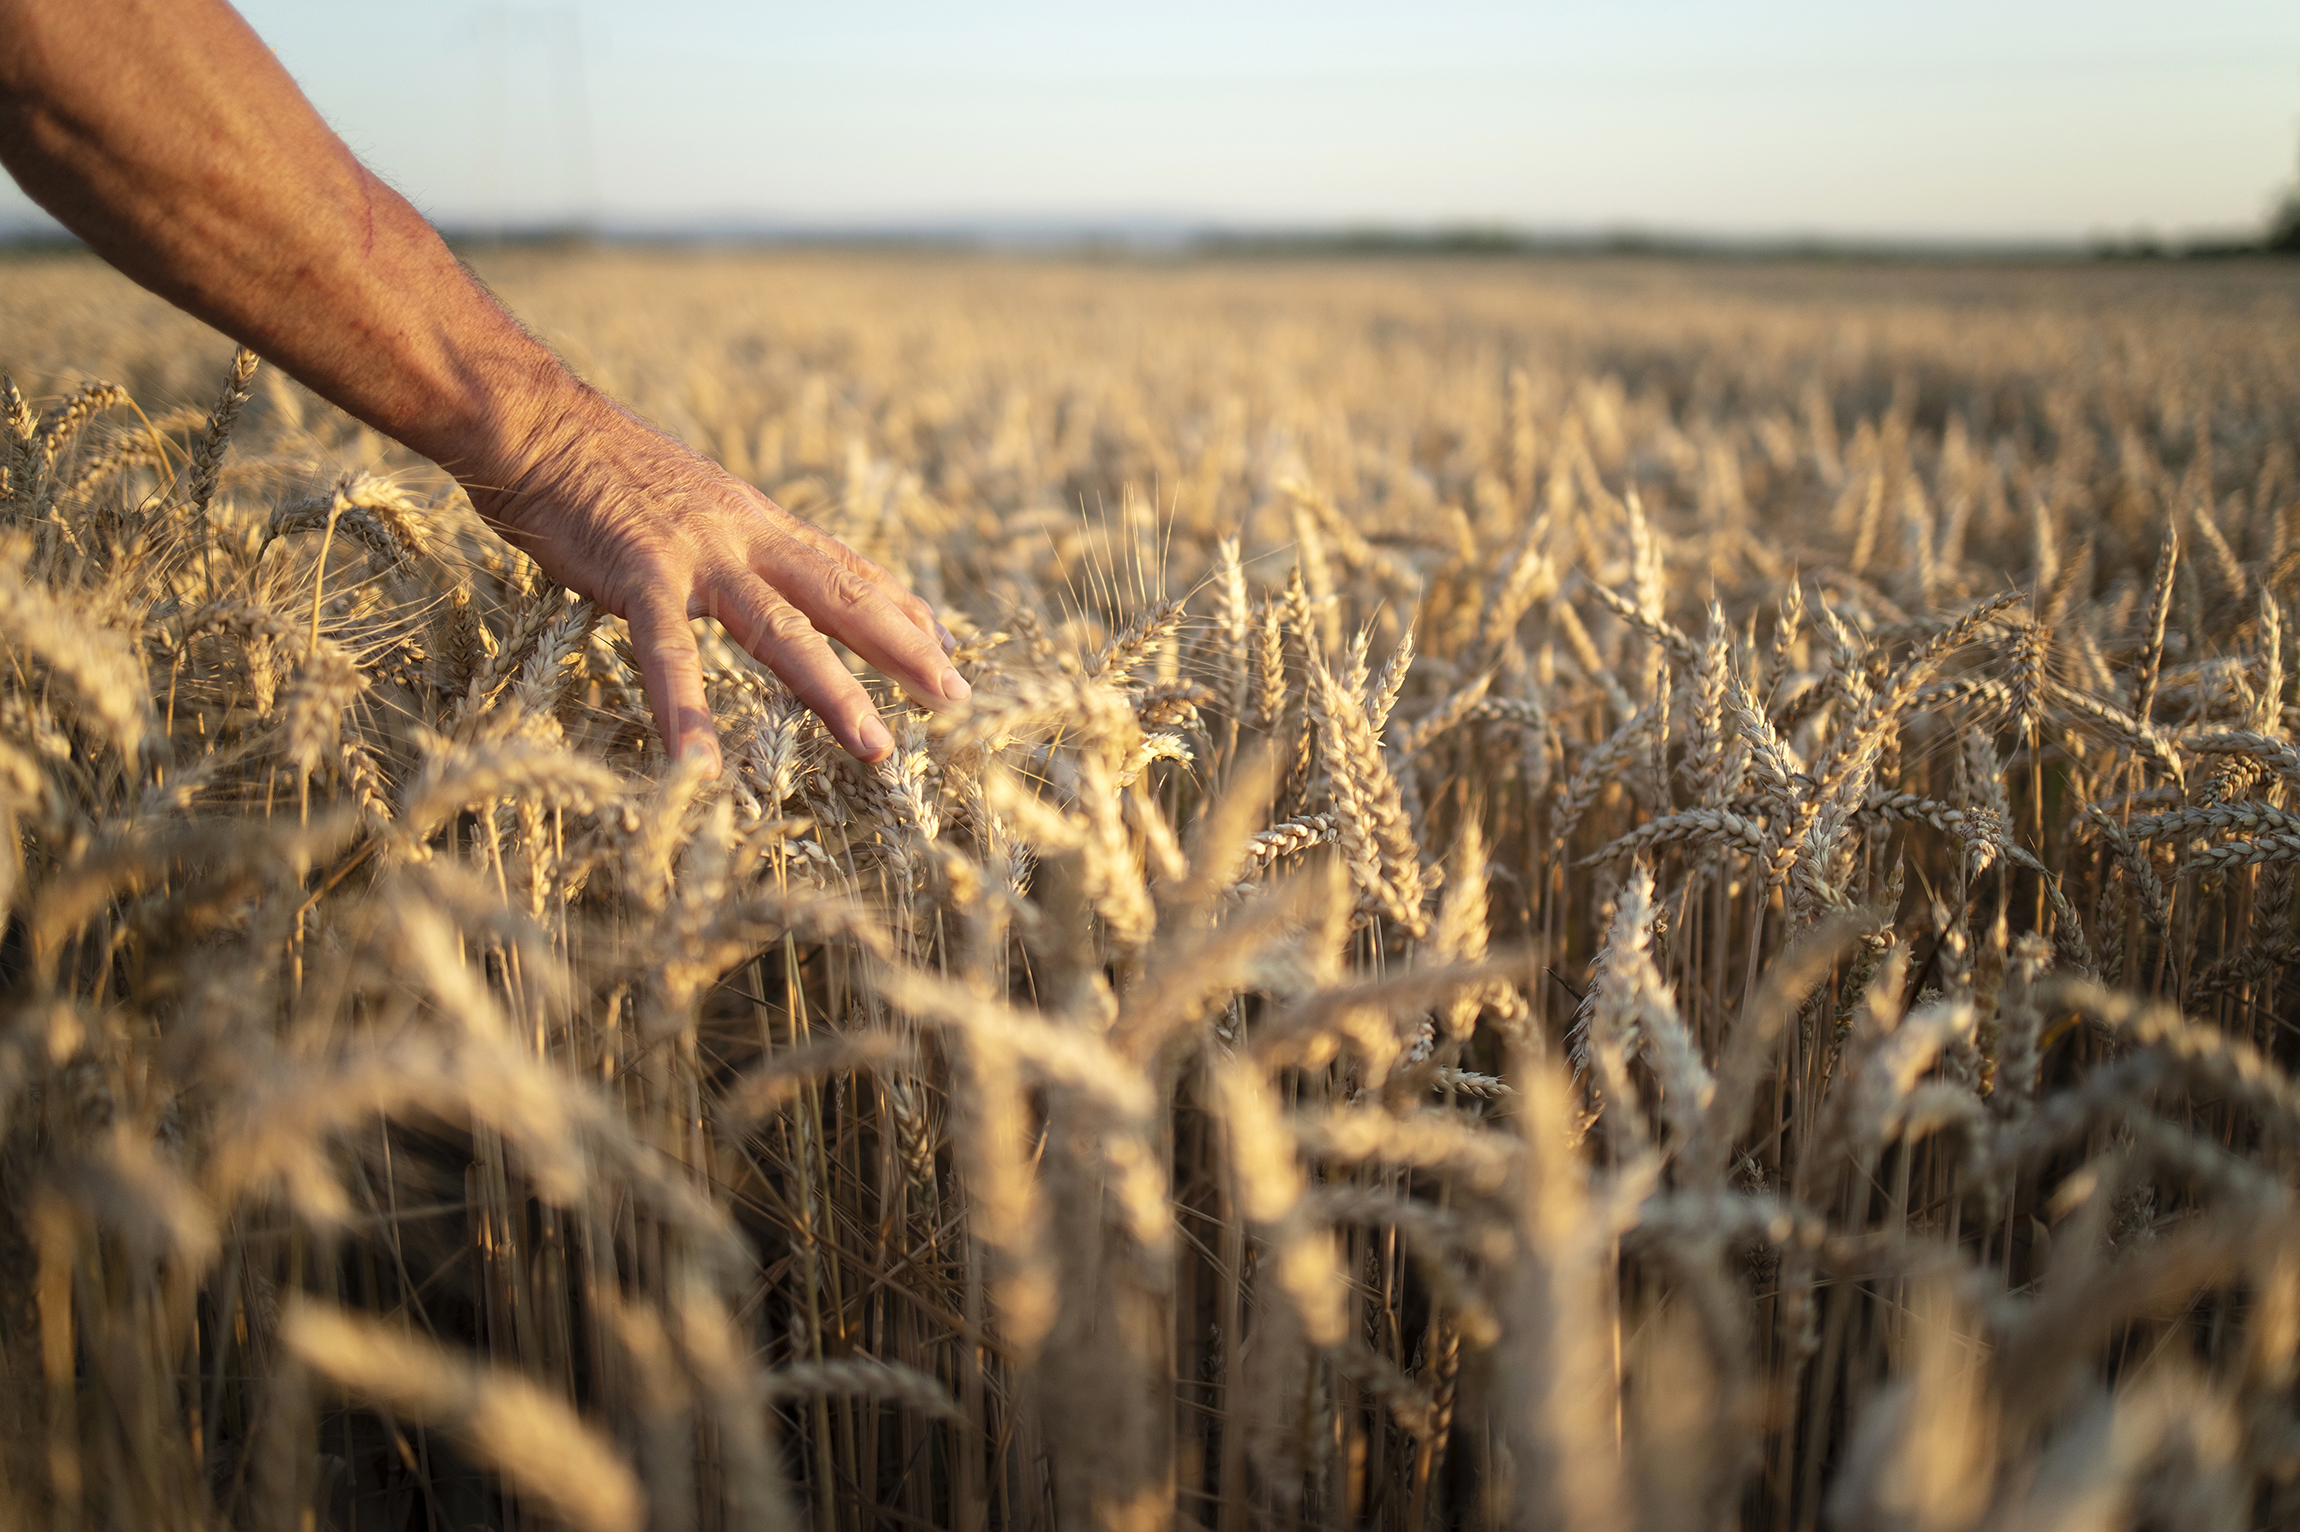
<point>1575,896</point>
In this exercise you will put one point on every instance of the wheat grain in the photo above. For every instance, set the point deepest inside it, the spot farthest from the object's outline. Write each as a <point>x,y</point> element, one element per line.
<point>534,1440</point>
<point>946,1120</point>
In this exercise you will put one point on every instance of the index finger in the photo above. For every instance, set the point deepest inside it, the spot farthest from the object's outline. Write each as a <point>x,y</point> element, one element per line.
<point>673,673</point>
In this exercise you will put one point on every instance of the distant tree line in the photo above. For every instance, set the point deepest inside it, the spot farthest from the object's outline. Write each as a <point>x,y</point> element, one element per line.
<point>2283,236</point>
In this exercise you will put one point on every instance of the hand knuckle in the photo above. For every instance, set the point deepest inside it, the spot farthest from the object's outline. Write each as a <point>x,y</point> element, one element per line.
<point>788,626</point>
<point>847,591</point>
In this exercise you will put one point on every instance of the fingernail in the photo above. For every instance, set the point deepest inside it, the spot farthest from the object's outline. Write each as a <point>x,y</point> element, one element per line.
<point>949,639</point>
<point>873,737</point>
<point>704,754</point>
<point>954,686</point>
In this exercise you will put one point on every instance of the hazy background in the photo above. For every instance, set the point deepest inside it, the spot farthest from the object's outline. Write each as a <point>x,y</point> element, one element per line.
<point>2013,121</point>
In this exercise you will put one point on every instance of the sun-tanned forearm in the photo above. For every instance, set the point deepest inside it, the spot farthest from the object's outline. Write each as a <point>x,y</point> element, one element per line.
<point>165,134</point>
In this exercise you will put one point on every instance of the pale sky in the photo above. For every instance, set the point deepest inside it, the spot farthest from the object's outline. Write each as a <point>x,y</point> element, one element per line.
<point>1951,120</point>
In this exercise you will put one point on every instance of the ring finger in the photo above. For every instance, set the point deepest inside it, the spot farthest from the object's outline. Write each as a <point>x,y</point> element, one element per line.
<point>781,638</point>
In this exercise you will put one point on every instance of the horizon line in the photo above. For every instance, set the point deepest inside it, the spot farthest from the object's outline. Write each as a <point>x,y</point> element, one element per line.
<point>1153,235</point>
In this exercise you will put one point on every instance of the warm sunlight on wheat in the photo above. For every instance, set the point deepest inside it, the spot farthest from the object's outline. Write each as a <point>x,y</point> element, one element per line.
<point>1574,896</point>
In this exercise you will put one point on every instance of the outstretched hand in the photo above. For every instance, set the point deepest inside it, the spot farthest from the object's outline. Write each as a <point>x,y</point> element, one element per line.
<point>657,535</point>
<point>170,139</point>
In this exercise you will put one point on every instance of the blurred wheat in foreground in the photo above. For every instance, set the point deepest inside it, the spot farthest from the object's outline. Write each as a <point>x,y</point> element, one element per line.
<point>1574,898</point>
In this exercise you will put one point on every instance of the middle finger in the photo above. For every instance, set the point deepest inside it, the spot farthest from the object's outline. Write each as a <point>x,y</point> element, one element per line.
<point>853,609</point>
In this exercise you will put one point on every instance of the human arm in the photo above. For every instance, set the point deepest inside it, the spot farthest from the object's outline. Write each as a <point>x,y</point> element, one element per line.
<point>166,135</point>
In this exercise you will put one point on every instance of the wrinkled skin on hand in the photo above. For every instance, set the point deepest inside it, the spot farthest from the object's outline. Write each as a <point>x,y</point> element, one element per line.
<point>169,137</point>
<point>657,534</point>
